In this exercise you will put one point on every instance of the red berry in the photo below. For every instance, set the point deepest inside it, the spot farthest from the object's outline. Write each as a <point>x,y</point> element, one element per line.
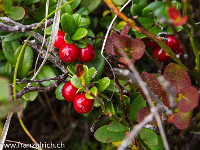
<point>152,44</point>
<point>87,54</point>
<point>83,105</point>
<point>178,50</point>
<point>160,55</point>
<point>172,42</point>
<point>69,52</point>
<point>60,39</point>
<point>69,92</point>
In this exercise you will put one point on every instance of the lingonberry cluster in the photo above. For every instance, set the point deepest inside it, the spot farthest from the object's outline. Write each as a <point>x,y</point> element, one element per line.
<point>158,52</point>
<point>81,104</point>
<point>70,52</point>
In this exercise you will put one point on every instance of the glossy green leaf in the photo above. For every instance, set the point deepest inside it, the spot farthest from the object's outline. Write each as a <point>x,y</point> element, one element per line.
<point>75,4</point>
<point>159,146</point>
<point>103,84</point>
<point>120,25</point>
<point>26,61</point>
<point>105,21</point>
<point>106,136</point>
<point>94,91</point>
<point>76,81</point>
<point>91,4</point>
<point>119,2</point>
<point>149,137</point>
<point>92,72</point>
<point>146,22</point>
<point>72,68</point>
<point>77,20</point>
<point>13,36</point>
<point>7,5</point>
<point>9,48</point>
<point>156,7</point>
<point>31,96</point>
<point>45,73</point>
<point>66,9</point>
<point>16,13</point>
<point>68,23</point>
<point>110,108</point>
<point>80,44</point>
<point>48,30</point>
<point>83,11</point>
<point>79,34</point>
<point>8,67</point>
<point>68,38</point>
<point>58,92</point>
<point>116,126</point>
<point>86,75</point>
<point>4,89</point>
<point>98,63</point>
<point>136,10</point>
<point>137,104</point>
<point>85,21</point>
<point>28,2</point>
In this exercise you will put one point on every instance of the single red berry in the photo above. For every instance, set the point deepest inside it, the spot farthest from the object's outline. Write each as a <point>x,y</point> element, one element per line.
<point>69,92</point>
<point>83,105</point>
<point>178,50</point>
<point>69,52</point>
<point>152,44</point>
<point>60,39</point>
<point>172,42</point>
<point>160,55</point>
<point>87,54</point>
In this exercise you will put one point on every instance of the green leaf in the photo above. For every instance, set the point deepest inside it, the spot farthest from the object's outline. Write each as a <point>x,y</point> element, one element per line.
<point>86,75</point>
<point>79,34</point>
<point>110,108</point>
<point>83,11</point>
<point>8,67</point>
<point>98,63</point>
<point>4,89</point>
<point>7,5</point>
<point>2,57</point>
<point>105,21</point>
<point>80,44</point>
<point>77,20</point>
<point>92,72</point>
<point>149,137</point>
<point>155,30</point>
<point>146,22</point>
<point>159,146</point>
<point>75,4</point>
<point>76,82</point>
<point>103,84</point>
<point>16,13</point>
<point>45,73</point>
<point>155,7</point>
<point>48,30</point>
<point>68,23</point>
<point>90,4</point>
<point>13,36</point>
<point>106,136</point>
<point>28,2</point>
<point>58,92</point>
<point>119,2</point>
<point>68,39</point>
<point>26,61</point>
<point>72,68</point>
<point>116,126</point>
<point>136,10</point>
<point>137,104</point>
<point>85,21</point>
<point>120,25</point>
<point>66,9</point>
<point>111,87</point>
<point>177,4</point>
<point>94,91</point>
<point>31,96</point>
<point>7,107</point>
<point>9,48</point>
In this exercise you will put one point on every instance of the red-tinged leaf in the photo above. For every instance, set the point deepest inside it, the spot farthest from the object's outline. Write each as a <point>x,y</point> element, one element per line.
<point>152,83</point>
<point>125,30</point>
<point>176,17</point>
<point>127,41</point>
<point>189,100</point>
<point>143,113</point>
<point>165,98</point>
<point>109,47</point>
<point>173,13</point>
<point>137,48</point>
<point>118,41</point>
<point>177,76</point>
<point>182,120</point>
<point>79,70</point>
<point>121,59</point>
